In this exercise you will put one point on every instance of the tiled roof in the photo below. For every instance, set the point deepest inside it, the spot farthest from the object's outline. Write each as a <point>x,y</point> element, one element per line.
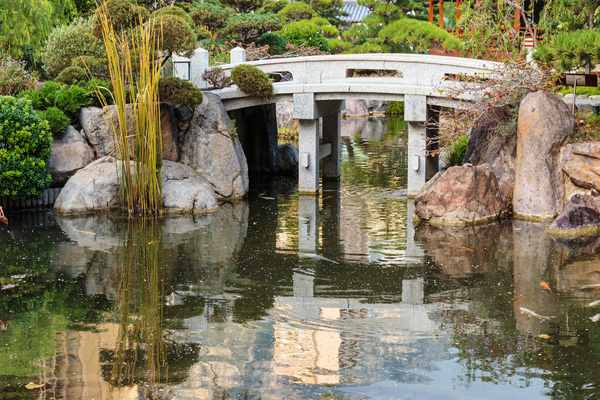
<point>356,13</point>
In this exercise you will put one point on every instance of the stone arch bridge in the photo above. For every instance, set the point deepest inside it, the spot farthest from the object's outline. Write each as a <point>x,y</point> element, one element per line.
<point>320,84</point>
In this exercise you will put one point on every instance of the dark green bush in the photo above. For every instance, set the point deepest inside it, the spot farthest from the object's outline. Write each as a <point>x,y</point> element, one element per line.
<point>48,94</point>
<point>34,96</point>
<point>456,151</point>
<point>25,145</point>
<point>72,99</point>
<point>57,120</point>
<point>179,92</point>
<point>252,81</point>
<point>71,75</point>
<point>276,43</point>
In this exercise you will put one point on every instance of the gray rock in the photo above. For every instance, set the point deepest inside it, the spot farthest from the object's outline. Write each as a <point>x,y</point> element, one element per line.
<point>184,190</point>
<point>288,159</point>
<point>183,116</point>
<point>96,188</point>
<point>98,130</point>
<point>209,148</point>
<point>355,108</point>
<point>581,162</point>
<point>93,188</point>
<point>377,107</point>
<point>494,142</point>
<point>69,154</point>
<point>544,126</point>
<point>460,196</point>
<point>285,116</point>
<point>580,216</point>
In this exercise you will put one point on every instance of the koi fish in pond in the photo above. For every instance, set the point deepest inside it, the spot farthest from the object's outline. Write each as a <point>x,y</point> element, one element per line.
<point>545,286</point>
<point>595,318</point>
<point>533,313</point>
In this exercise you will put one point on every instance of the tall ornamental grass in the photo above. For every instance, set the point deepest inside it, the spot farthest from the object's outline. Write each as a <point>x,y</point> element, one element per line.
<point>134,70</point>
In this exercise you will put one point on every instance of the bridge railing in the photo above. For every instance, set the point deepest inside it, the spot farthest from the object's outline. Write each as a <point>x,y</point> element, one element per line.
<point>409,69</point>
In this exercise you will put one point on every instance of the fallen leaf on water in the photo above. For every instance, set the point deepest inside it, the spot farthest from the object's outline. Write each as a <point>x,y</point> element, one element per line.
<point>545,286</point>
<point>32,385</point>
<point>544,336</point>
<point>2,217</point>
<point>86,232</point>
<point>328,197</point>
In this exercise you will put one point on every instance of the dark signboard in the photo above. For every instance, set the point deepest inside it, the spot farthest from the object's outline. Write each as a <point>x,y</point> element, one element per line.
<point>580,80</point>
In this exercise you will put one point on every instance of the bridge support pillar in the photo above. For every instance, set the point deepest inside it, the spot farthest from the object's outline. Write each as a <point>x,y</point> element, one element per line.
<point>308,148</point>
<point>421,165</point>
<point>333,135</point>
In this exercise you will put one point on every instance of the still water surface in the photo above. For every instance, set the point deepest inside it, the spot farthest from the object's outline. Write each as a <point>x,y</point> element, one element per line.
<point>278,297</point>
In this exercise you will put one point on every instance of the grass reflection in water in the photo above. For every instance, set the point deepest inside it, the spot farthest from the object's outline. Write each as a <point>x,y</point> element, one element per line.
<point>139,356</point>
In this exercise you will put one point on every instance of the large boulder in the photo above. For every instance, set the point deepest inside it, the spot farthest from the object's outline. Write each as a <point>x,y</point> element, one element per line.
<point>93,188</point>
<point>98,130</point>
<point>96,188</point>
<point>355,108</point>
<point>460,195</point>
<point>69,154</point>
<point>581,162</point>
<point>544,126</point>
<point>210,147</point>
<point>185,191</point>
<point>581,216</point>
<point>493,141</point>
<point>288,159</point>
<point>377,107</point>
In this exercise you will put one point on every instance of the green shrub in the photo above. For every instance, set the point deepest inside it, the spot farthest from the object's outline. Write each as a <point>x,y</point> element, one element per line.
<point>71,75</point>
<point>68,42</point>
<point>57,120</point>
<point>456,151</point>
<point>305,33</point>
<point>72,99</point>
<point>91,64</point>
<point>252,81</point>
<point>34,97</point>
<point>25,145</point>
<point>14,78</point>
<point>276,43</point>
<point>179,92</point>
<point>48,94</point>
<point>395,108</point>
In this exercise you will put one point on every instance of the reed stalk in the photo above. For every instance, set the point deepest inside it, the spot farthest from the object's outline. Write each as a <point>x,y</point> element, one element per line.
<point>134,71</point>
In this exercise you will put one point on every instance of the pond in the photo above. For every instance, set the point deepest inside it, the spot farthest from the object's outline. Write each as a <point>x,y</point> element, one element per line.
<point>281,297</point>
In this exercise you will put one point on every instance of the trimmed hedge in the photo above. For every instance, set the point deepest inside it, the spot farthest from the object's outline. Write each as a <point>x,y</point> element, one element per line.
<point>179,92</point>
<point>252,81</point>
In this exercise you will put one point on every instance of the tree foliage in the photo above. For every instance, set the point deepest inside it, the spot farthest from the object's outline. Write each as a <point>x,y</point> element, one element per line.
<point>245,27</point>
<point>25,25</point>
<point>417,36</point>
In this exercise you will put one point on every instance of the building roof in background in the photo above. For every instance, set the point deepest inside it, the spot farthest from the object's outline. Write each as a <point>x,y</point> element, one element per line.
<point>355,12</point>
